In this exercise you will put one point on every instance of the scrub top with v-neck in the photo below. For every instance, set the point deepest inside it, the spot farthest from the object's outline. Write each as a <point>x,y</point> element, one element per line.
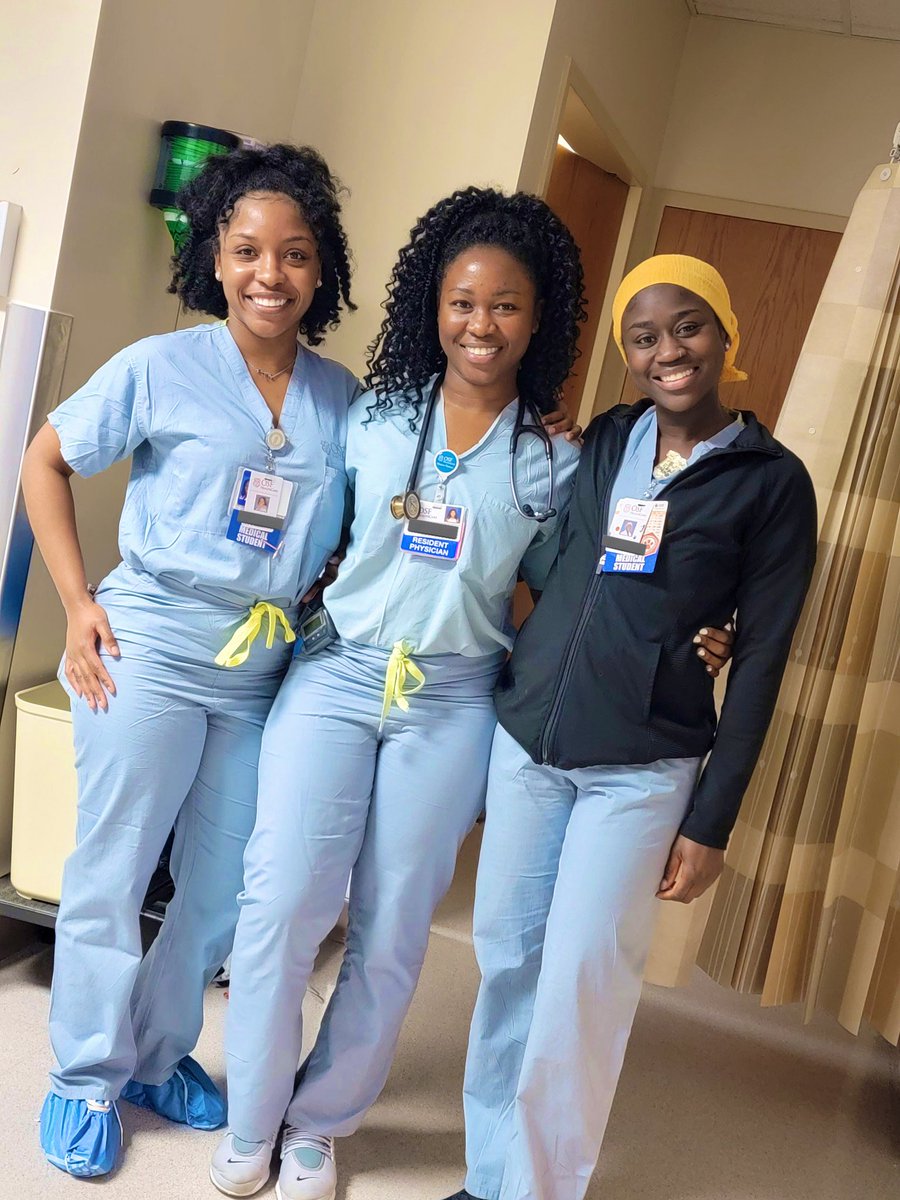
<point>185,406</point>
<point>383,595</point>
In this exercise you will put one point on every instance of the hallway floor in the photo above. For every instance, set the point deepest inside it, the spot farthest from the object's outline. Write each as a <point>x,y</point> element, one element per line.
<point>719,1100</point>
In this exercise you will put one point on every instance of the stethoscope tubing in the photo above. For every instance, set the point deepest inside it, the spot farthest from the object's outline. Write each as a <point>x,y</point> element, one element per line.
<point>537,429</point>
<point>520,427</point>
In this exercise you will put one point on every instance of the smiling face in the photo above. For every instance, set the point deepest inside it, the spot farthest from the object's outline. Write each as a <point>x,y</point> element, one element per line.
<point>269,266</point>
<point>674,346</point>
<point>487,312</point>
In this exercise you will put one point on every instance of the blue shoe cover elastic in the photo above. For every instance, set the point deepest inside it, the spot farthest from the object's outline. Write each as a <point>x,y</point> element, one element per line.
<point>80,1137</point>
<point>188,1096</point>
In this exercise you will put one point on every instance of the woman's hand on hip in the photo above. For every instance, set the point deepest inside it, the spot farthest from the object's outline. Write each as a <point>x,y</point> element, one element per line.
<point>88,628</point>
<point>715,647</point>
<point>691,869</point>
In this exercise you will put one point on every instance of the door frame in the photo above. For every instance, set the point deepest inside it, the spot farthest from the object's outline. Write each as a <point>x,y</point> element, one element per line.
<point>582,120</point>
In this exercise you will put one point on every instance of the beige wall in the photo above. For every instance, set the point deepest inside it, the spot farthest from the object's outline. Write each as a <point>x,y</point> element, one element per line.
<point>626,56</point>
<point>202,62</point>
<point>45,59</point>
<point>407,101</point>
<point>778,116</point>
<point>622,59</point>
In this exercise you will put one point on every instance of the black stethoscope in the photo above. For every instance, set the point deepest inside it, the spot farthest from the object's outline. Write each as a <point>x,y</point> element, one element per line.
<point>409,504</point>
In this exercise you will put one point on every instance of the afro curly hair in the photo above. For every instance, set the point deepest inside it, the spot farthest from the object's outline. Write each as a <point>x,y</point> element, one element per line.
<point>209,200</point>
<point>407,353</point>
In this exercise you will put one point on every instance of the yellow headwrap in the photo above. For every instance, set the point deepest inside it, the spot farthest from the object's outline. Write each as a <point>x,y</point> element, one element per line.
<point>697,277</point>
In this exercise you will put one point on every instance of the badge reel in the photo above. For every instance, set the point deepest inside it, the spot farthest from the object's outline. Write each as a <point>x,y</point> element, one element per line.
<point>437,530</point>
<point>275,441</point>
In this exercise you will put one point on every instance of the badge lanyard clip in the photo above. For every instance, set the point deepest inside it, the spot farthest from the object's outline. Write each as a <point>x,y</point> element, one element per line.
<point>446,463</point>
<point>275,440</point>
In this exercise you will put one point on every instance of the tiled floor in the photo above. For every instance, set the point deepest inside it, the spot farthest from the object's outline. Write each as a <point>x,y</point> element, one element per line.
<point>719,1100</point>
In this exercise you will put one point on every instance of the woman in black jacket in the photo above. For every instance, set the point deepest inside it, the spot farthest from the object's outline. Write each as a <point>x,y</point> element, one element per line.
<point>683,512</point>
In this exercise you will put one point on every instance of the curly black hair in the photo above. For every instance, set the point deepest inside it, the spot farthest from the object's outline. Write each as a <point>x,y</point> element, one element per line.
<point>407,352</point>
<point>209,199</point>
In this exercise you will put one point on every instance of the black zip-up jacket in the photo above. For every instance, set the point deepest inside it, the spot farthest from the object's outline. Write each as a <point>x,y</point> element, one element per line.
<point>605,671</point>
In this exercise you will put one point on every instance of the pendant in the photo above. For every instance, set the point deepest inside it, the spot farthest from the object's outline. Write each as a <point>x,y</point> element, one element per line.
<point>273,375</point>
<point>670,465</point>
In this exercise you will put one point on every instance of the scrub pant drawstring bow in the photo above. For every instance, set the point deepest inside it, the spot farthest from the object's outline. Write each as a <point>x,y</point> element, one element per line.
<point>246,634</point>
<point>400,667</point>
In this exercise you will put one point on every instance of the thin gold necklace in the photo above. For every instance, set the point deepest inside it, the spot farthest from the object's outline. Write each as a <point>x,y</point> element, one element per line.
<point>272,375</point>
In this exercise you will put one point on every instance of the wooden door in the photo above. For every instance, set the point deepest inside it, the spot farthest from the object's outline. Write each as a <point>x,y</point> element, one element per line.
<point>775,274</point>
<point>591,202</point>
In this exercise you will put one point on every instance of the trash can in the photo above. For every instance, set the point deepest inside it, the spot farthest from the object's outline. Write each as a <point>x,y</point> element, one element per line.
<point>44,792</point>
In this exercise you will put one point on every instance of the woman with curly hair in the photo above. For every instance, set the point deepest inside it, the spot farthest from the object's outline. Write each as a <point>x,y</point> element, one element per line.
<point>234,504</point>
<point>376,752</point>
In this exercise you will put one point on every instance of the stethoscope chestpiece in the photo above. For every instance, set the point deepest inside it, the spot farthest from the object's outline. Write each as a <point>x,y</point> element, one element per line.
<point>412,505</point>
<point>408,505</point>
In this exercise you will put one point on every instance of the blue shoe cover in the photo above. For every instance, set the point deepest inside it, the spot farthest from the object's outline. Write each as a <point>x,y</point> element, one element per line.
<point>188,1096</point>
<point>80,1137</point>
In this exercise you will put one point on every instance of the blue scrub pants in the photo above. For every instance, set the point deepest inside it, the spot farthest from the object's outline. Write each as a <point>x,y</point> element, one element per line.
<point>336,794</point>
<point>179,745</point>
<point>564,908</point>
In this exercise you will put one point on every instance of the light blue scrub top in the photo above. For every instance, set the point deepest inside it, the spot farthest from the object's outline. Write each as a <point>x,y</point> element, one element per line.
<point>383,595</point>
<point>635,480</point>
<point>185,406</point>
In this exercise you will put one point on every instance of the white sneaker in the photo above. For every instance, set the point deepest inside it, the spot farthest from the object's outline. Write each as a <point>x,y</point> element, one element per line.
<point>241,1172</point>
<point>307,1167</point>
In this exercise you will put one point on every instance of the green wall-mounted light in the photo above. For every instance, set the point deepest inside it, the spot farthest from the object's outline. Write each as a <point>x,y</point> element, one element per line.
<point>184,148</point>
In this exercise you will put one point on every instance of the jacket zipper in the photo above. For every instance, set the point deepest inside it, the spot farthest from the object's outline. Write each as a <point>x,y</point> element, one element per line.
<point>590,595</point>
<point>584,613</point>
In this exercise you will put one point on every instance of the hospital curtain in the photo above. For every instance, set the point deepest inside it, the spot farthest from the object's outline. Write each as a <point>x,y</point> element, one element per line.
<point>808,907</point>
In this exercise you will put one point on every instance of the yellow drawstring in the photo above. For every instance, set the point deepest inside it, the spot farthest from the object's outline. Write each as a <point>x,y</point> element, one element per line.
<point>400,666</point>
<point>247,633</point>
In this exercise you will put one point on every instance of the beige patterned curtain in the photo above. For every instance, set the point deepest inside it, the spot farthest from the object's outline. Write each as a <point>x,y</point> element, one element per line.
<point>808,908</point>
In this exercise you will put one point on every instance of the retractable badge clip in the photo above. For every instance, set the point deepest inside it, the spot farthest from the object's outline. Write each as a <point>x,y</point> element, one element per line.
<point>446,463</point>
<point>275,441</point>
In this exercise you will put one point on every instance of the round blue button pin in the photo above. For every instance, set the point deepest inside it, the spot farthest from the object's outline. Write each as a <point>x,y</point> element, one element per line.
<point>446,462</point>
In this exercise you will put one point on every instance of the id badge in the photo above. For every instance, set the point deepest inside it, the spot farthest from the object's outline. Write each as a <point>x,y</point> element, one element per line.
<point>635,533</point>
<point>258,509</point>
<point>437,532</point>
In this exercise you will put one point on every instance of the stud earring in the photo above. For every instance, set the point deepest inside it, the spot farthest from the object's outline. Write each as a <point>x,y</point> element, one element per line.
<point>318,283</point>
<point>219,276</point>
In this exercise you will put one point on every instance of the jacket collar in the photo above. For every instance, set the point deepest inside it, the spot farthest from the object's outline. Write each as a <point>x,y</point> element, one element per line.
<point>753,436</point>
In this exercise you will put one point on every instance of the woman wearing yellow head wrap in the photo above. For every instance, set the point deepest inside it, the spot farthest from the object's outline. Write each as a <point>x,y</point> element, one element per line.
<point>690,275</point>
<point>683,513</point>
